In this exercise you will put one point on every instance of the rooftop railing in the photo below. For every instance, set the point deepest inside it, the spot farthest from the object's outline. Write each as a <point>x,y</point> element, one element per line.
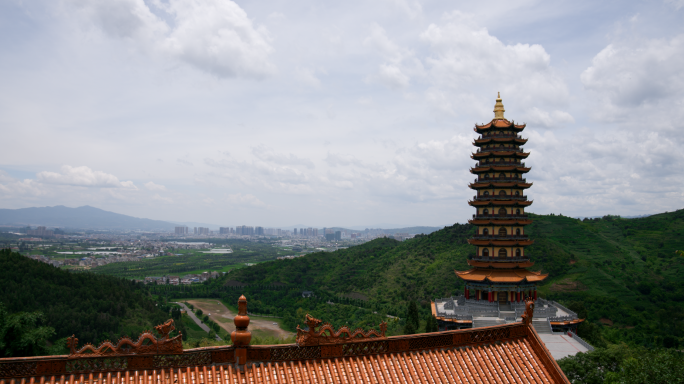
<point>507,197</point>
<point>501,163</point>
<point>581,341</point>
<point>499,179</point>
<point>499,237</point>
<point>499,149</point>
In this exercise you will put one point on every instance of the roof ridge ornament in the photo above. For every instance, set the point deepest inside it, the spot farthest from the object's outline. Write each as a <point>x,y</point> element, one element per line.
<point>314,337</point>
<point>499,108</point>
<point>126,346</point>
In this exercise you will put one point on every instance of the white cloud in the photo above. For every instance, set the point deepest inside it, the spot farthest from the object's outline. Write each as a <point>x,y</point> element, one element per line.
<point>677,4</point>
<point>636,73</point>
<point>308,77</point>
<point>269,155</point>
<point>465,57</point>
<point>399,65</point>
<point>537,117</point>
<point>83,177</point>
<point>154,187</point>
<point>215,36</point>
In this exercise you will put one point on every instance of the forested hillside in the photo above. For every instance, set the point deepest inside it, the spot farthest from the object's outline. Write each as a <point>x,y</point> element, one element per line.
<point>93,307</point>
<point>623,274</point>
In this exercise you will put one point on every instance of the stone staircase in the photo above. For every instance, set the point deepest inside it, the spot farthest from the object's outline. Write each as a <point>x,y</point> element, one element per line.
<point>541,326</point>
<point>480,322</point>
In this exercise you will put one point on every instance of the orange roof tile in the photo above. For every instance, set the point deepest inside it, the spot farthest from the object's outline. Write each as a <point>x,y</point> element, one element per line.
<point>507,353</point>
<point>501,275</point>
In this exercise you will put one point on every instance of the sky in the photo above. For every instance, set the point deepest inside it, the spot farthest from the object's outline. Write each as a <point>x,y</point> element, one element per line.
<point>322,113</point>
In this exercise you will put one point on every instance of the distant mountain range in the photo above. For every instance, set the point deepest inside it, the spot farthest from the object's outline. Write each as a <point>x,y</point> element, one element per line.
<point>85,217</point>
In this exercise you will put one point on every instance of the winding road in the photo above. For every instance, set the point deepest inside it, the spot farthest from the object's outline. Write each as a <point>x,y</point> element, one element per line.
<point>198,321</point>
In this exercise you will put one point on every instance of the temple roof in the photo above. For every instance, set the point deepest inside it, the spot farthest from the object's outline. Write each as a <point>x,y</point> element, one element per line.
<point>510,353</point>
<point>501,276</point>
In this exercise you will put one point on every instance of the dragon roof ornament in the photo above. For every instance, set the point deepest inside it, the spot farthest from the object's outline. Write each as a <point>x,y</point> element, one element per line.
<point>326,334</point>
<point>126,346</point>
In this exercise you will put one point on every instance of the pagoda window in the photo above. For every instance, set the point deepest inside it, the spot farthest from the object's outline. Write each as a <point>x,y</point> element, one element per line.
<point>485,231</point>
<point>517,193</point>
<point>517,211</point>
<point>502,193</point>
<point>518,253</point>
<point>501,176</point>
<point>502,211</point>
<point>502,232</point>
<point>485,211</point>
<point>517,232</point>
<point>486,175</point>
<point>502,253</point>
<point>485,252</point>
<point>486,193</point>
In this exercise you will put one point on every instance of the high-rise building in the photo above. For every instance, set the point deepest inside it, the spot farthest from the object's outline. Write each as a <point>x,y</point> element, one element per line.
<point>224,230</point>
<point>338,235</point>
<point>259,231</point>
<point>181,231</point>
<point>315,232</point>
<point>40,231</point>
<point>295,231</point>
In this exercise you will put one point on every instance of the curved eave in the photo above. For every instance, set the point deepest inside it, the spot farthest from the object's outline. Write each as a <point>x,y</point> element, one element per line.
<point>502,140</point>
<point>502,265</point>
<point>500,243</point>
<point>499,169</point>
<point>499,222</point>
<point>501,275</point>
<point>499,123</point>
<point>478,203</point>
<point>482,155</point>
<point>493,184</point>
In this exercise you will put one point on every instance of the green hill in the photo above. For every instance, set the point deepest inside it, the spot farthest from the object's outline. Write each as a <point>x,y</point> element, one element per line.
<point>93,307</point>
<point>623,272</point>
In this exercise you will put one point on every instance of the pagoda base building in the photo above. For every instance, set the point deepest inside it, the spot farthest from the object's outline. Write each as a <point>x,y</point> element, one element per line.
<point>499,282</point>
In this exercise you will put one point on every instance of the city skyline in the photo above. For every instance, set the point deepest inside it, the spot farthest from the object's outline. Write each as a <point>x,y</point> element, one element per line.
<point>359,113</point>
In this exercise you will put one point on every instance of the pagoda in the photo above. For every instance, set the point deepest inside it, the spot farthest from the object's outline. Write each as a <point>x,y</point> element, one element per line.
<point>499,272</point>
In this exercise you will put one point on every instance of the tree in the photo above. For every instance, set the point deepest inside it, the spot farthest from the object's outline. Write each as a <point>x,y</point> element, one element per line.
<point>412,319</point>
<point>431,324</point>
<point>21,334</point>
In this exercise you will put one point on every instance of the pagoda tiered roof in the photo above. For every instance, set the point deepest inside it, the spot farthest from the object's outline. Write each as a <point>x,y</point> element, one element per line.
<point>498,124</point>
<point>495,184</point>
<point>501,275</point>
<point>508,353</point>
<point>499,168</point>
<point>489,140</point>
<point>479,203</point>
<point>514,153</point>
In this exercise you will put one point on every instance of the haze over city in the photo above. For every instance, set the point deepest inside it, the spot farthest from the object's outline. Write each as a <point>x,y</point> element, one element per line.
<point>336,114</point>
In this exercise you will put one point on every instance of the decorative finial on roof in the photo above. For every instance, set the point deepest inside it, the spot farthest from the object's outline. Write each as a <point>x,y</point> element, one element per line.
<point>241,336</point>
<point>499,108</point>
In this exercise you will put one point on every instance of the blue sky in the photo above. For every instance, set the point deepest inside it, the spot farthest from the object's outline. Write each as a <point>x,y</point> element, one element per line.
<point>336,113</point>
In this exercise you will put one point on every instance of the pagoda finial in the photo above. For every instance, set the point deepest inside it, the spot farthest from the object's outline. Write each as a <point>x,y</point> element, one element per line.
<point>499,108</point>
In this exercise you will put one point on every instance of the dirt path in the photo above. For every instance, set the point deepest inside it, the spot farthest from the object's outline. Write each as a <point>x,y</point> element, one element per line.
<point>223,316</point>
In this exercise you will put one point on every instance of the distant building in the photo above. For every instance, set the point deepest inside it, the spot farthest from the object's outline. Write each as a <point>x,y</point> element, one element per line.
<point>40,231</point>
<point>244,230</point>
<point>181,231</point>
<point>307,293</point>
<point>224,231</point>
<point>259,231</point>
<point>338,235</point>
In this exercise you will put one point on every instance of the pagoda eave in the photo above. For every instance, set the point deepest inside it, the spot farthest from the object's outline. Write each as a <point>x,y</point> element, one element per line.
<point>499,123</point>
<point>502,168</point>
<point>482,155</point>
<point>478,142</point>
<point>501,275</point>
<point>494,184</point>
<point>499,222</point>
<point>480,203</point>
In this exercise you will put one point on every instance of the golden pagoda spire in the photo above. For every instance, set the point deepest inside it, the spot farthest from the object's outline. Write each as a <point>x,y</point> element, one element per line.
<point>499,108</point>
